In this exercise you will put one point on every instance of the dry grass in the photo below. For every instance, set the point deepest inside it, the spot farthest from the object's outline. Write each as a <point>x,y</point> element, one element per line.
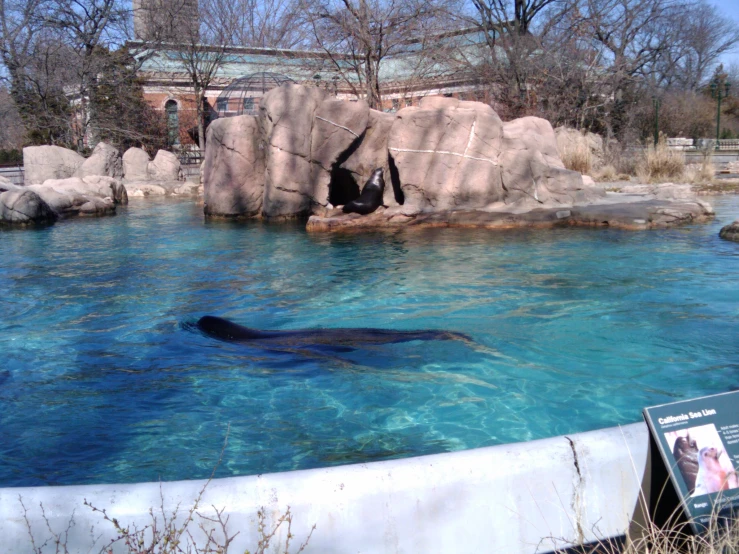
<point>674,537</point>
<point>576,156</point>
<point>623,160</point>
<point>702,173</point>
<point>174,531</point>
<point>607,173</point>
<point>660,164</point>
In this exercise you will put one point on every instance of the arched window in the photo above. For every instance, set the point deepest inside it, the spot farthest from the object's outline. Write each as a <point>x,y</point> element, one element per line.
<point>173,122</point>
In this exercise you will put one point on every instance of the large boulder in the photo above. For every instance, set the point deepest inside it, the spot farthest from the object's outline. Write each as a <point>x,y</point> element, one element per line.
<point>136,164</point>
<point>532,171</point>
<point>104,160</point>
<point>447,154</point>
<point>233,170</point>
<point>730,232</point>
<point>286,117</point>
<point>141,189</point>
<point>7,184</point>
<point>49,162</point>
<point>164,167</point>
<point>91,195</point>
<point>92,185</point>
<point>24,207</point>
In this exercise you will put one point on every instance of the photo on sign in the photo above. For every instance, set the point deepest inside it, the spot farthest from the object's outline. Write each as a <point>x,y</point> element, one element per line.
<point>701,457</point>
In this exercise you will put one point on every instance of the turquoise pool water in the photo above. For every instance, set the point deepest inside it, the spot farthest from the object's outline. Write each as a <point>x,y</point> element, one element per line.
<point>574,330</point>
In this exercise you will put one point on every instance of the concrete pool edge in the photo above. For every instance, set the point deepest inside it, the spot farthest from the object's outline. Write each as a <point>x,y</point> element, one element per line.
<point>515,498</point>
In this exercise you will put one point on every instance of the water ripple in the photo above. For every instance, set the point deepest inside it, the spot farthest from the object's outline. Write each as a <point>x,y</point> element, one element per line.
<point>104,380</point>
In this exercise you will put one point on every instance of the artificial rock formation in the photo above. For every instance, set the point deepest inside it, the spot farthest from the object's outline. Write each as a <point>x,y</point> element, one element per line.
<point>105,160</point>
<point>136,164</point>
<point>445,162</point>
<point>161,176</point>
<point>94,195</point>
<point>49,162</point>
<point>61,183</point>
<point>446,153</point>
<point>234,167</point>
<point>24,207</point>
<point>164,167</point>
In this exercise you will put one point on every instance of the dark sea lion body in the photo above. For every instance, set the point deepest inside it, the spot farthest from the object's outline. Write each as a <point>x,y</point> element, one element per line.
<point>685,452</point>
<point>371,197</point>
<point>223,329</point>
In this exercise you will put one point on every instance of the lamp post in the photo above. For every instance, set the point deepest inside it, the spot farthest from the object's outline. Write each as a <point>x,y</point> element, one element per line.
<point>656,101</point>
<point>717,93</point>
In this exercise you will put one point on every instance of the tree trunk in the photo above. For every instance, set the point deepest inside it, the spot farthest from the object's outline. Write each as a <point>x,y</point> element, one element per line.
<point>374,99</point>
<point>200,102</point>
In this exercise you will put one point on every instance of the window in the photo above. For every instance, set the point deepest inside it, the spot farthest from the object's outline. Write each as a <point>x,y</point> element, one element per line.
<point>408,102</point>
<point>248,104</point>
<point>173,123</point>
<point>396,104</point>
<point>221,105</point>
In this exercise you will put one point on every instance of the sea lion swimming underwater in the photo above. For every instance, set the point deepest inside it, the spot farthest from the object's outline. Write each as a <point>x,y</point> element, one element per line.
<point>350,337</point>
<point>371,197</point>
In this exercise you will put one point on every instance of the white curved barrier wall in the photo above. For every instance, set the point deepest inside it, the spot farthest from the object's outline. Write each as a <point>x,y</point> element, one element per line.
<point>515,498</point>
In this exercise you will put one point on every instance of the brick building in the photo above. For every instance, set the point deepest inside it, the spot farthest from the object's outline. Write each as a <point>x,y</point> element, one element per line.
<point>244,74</point>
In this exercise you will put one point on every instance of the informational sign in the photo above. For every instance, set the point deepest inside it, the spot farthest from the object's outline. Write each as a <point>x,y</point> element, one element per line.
<point>699,443</point>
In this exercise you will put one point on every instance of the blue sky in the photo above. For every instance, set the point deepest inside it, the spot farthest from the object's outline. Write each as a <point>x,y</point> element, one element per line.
<point>730,8</point>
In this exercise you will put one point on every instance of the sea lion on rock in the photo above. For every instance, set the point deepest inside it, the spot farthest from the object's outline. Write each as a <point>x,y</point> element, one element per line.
<point>371,197</point>
<point>223,329</point>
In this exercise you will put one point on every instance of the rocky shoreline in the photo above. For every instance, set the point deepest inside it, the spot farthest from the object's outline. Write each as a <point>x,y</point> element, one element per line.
<point>59,183</point>
<point>622,212</point>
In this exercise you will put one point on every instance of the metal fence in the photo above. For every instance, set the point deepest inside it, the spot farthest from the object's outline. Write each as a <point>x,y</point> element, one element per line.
<point>702,144</point>
<point>13,173</point>
<point>190,161</point>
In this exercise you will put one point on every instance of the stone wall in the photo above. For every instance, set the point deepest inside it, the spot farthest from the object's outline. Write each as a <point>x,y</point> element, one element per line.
<point>523,498</point>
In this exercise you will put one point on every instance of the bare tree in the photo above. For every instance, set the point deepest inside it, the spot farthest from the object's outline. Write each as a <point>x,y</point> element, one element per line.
<point>506,53</point>
<point>702,35</point>
<point>88,28</point>
<point>12,128</point>
<point>187,39</point>
<point>29,53</point>
<point>54,53</point>
<point>498,16</point>
<point>359,36</point>
<point>261,23</point>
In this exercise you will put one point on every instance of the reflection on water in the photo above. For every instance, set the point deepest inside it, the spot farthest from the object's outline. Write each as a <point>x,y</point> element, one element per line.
<point>572,330</point>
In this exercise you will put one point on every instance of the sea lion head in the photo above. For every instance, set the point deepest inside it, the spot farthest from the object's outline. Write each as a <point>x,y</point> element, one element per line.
<point>708,456</point>
<point>376,180</point>
<point>685,445</point>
